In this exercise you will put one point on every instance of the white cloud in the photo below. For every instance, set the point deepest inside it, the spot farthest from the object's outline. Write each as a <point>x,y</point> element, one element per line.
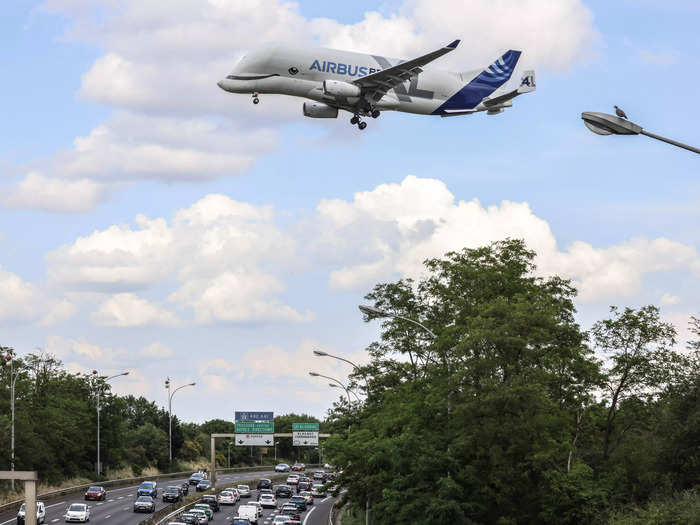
<point>392,229</point>
<point>668,300</point>
<point>55,194</point>
<point>21,301</point>
<point>158,350</point>
<point>220,255</point>
<point>127,310</point>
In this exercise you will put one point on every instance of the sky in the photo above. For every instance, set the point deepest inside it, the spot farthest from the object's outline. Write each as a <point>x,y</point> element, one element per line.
<point>151,222</point>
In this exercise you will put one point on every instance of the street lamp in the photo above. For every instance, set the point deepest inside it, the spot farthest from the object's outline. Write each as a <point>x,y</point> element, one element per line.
<point>170,417</point>
<point>333,385</point>
<point>371,311</point>
<point>13,380</point>
<point>605,124</point>
<point>316,374</point>
<point>97,393</point>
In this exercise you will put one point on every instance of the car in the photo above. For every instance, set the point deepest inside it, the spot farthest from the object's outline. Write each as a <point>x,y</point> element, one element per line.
<point>77,512</point>
<point>200,515</point>
<point>318,490</point>
<point>261,492</point>
<point>172,494</point>
<point>227,497</point>
<point>283,491</point>
<point>212,501</point>
<point>280,520</point>
<point>264,483</point>
<point>303,485</point>
<point>144,504</point>
<point>185,488</point>
<point>291,511</point>
<point>96,493</point>
<point>249,512</point>
<point>243,491</point>
<point>189,519</point>
<point>257,505</point>
<point>176,523</point>
<point>268,500</point>
<point>299,467</point>
<point>299,501</point>
<point>292,521</point>
<point>206,509</point>
<point>40,513</point>
<point>203,485</point>
<point>327,466</point>
<point>292,479</point>
<point>237,520</point>
<point>320,475</point>
<point>282,467</point>
<point>308,497</point>
<point>148,488</point>
<point>196,478</point>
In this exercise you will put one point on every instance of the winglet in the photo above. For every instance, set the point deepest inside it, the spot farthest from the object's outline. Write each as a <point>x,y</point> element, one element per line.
<point>454,44</point>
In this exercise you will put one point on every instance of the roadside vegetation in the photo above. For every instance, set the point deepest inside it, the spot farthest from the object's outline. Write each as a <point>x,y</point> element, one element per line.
<point>513,413</point>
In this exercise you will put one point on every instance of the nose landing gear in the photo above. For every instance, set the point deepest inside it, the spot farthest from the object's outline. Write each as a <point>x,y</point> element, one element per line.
<point>256,100</point>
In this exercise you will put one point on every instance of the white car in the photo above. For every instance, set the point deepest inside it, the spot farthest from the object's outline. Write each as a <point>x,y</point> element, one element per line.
<point>201,515</point>
<point>243,491</point>
<point>268,500</point>
<point>257,505</point>
<point>317,490</point>
<point>227,497</point>
<point>282,467</point>
<point>292,479</point>
<point>248,511</point>
<point>280,520</point>
<point>40,513</point>
<point>77,512</point>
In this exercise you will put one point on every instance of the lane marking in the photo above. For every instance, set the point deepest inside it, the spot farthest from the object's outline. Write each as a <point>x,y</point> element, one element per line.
<point>307,516</point>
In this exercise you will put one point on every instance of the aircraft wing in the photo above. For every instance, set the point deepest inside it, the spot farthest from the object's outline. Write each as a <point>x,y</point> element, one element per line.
<point>377,84</point>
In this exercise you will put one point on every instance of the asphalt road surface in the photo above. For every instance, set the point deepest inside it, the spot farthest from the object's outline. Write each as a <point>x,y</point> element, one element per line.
<point>118,507</point>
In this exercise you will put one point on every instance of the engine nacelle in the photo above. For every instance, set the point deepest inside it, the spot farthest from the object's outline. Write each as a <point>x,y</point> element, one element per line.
<point>337,88</point>
<point>319,110</point>
<point>494,111</point>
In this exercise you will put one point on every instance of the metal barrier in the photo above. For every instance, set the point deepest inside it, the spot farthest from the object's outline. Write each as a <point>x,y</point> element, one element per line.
<point>14,505</point>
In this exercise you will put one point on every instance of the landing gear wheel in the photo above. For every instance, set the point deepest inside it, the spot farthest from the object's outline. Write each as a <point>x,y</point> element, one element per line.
<point>354,120</point>
<point>256,100</point>
<point>375,113</point>
<point>362,125</point>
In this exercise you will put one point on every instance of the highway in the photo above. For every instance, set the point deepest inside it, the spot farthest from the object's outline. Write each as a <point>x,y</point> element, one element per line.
<point>118,507</point>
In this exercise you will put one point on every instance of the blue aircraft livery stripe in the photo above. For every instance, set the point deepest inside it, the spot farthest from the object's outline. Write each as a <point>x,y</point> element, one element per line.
<point>488,81</point>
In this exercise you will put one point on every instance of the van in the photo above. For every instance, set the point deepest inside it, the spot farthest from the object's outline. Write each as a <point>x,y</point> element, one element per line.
<point>40,513</point>
<point>248,511</point>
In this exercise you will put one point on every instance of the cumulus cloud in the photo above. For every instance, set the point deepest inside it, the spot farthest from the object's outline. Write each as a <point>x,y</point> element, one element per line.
<point>55,194</point>
<point>127,309</point>
<point>219,258</point>
<point>21,301</point>
<point>392,229</point>
<point>668,300</point>
<point>158,350</point>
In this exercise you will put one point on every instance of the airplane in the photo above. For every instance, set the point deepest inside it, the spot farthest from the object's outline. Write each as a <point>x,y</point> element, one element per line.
<point>365,85</point>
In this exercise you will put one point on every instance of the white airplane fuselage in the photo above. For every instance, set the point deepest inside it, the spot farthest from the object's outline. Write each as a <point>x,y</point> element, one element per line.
<point>301,71</point>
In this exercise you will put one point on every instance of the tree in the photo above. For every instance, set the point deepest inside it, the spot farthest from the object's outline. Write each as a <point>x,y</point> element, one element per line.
<point>641,361</point>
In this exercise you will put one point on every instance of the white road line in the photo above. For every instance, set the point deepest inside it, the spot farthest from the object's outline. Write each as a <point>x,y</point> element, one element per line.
<point>108,516</point>
<point>326,499</point>
<point>55,520</point>
<point>54,504</point>
<point>8,521</point>
<point>307,516</point>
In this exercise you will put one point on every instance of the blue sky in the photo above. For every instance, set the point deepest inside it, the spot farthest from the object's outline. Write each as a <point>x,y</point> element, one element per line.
<point>301,239</point>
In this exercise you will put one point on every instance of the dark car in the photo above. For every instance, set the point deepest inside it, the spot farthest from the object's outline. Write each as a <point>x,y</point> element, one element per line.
<point>96,493</point>
<point>196,478</point>
<point>303,485</point>
<point>172,494</point>
<point>211,500</point>
<point>264,484</point>
<point>148,488</point>
<point>185,488</point>
<point>203,485</point>
<point>283,491</point>
<point>300,502</point>
<point>188,518</point>
<point>144,504</point>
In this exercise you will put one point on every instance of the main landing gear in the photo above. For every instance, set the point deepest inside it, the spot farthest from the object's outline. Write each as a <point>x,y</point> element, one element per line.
<point>256,100</point>
<point>360,123</point>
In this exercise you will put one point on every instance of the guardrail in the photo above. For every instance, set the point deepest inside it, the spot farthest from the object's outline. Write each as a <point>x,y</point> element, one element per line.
<point>14,505</point>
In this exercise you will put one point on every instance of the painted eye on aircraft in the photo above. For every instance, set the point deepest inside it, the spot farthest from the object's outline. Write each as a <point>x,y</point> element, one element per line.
<point>293,71</point>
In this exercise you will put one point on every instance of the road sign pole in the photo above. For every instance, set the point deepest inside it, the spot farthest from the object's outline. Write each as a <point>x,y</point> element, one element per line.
<point>213,462</point>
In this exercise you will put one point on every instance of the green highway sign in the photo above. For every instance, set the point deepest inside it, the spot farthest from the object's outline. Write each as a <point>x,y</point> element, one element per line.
<point>255,427</point>
<point>305,426</point>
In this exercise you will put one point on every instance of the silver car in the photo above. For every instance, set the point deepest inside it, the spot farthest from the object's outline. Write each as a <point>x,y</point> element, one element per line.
<point>77,512</point>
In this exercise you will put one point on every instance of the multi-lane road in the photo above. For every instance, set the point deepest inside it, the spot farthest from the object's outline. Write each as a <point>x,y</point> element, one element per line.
<point>117,509</point>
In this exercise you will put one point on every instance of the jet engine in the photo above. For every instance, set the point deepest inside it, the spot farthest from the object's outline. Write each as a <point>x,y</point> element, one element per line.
<point>319,110</point>
<point>494,111</point>
<point>338,88</point>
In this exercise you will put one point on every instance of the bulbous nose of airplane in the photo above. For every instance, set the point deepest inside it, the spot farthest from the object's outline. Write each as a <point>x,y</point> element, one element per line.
<point>220,83</point>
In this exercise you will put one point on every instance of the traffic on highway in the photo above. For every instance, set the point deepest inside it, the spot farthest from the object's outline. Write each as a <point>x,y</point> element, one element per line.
<point>299,498</point>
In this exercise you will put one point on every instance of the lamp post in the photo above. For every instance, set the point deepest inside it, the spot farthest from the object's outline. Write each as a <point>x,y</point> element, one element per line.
<point>98,468</point>
<point>13,380</point>
<point>347,392</point>
<point>605,124</point>
<point>170,416</point>
<point>333,385</point>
